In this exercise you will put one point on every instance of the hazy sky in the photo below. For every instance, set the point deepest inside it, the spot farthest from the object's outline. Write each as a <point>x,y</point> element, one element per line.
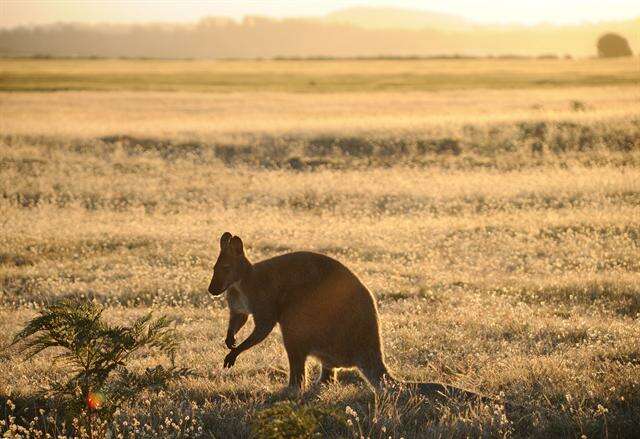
<point>19,12</point>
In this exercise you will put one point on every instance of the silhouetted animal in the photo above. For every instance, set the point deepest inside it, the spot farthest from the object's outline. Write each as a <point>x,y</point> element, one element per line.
<point>323,310</point>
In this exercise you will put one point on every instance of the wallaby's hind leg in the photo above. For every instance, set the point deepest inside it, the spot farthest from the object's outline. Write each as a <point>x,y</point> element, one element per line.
<point>375,371</point>
<point>297,370</point>
<point>328,375</point>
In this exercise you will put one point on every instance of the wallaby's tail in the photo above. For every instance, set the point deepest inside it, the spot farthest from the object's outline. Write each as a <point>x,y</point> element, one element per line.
<point>445,391</point>
<point>380,378</point>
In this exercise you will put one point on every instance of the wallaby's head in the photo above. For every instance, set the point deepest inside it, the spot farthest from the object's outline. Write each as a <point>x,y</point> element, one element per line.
<point>230,265</point>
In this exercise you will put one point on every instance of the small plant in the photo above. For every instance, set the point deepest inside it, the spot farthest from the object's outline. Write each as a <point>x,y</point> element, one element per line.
<point>289,420</point>
<point>97,354</point>
<point>578,105</point>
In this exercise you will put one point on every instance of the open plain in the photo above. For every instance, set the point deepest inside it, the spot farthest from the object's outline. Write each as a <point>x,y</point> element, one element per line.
<point>497,225</point>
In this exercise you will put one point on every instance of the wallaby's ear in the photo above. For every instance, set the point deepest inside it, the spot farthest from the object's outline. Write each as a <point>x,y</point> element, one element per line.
<point>236,245</point>
<point>224,240</point>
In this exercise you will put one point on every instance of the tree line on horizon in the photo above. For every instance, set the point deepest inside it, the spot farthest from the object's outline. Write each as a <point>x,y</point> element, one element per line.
<point>259,37</point>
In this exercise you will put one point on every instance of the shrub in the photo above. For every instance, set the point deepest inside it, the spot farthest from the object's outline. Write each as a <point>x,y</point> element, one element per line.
<point>445,145</point>
<point>533,130</point>
<point>578,105</point>
<point>97,355</point>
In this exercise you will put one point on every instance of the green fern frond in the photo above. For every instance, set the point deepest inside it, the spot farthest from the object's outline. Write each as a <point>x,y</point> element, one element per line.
<point>97,354</point>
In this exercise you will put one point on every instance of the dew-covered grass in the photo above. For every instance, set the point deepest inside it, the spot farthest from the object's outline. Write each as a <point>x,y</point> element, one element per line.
<point>503,253</point>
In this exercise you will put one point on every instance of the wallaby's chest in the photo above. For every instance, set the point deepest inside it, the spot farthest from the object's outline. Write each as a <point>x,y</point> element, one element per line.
<point>238,300</point>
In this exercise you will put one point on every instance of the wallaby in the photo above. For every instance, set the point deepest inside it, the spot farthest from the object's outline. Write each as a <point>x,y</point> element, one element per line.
<point>323,310</point>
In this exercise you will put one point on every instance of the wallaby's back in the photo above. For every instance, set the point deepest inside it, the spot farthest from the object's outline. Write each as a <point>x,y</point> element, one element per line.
<point>324,310</point>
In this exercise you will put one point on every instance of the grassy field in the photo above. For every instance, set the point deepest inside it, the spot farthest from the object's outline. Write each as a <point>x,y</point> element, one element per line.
<point>312,76</point>
<point>498,229</point>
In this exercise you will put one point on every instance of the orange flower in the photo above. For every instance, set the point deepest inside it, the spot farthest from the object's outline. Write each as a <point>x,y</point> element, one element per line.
<point>95,400</point>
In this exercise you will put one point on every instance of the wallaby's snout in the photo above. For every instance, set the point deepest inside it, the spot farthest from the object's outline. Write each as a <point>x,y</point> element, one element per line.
<point>227,268</point>
<point>215,290</point>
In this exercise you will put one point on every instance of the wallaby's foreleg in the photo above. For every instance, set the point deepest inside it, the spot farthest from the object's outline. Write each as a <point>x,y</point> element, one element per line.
<point>236,322</point>
<point>260,332</point>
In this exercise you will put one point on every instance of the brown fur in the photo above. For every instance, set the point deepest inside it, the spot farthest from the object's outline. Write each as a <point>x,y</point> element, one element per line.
<point>322,308</point>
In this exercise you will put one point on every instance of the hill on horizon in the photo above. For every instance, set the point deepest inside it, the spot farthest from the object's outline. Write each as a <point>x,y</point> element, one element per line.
<point>368,17</point>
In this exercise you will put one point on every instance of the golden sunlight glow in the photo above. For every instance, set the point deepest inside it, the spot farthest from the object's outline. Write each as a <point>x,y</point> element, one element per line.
<point>22,12</point>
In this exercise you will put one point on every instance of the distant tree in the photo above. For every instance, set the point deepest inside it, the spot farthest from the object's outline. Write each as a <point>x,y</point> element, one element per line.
<point>613,46</point>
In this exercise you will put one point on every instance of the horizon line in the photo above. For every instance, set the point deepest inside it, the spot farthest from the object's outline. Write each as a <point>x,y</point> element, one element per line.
<point>320,19</point>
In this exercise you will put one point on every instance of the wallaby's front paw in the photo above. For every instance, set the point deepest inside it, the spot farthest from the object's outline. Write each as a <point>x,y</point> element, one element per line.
<point>230,342</point>
<point>230,359</point>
